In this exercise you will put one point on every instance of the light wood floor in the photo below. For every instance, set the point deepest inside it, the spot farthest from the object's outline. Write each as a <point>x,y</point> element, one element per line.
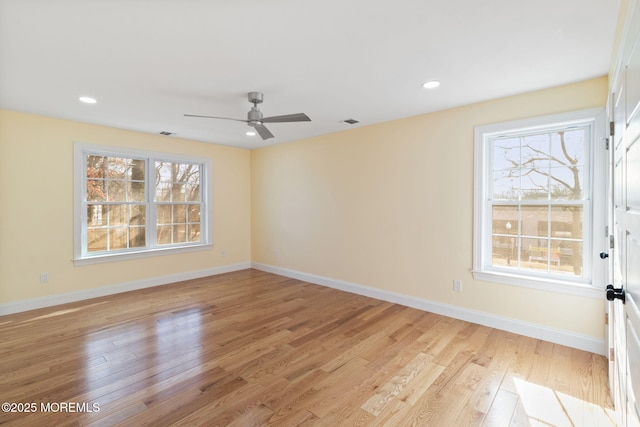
<point>251,348</point>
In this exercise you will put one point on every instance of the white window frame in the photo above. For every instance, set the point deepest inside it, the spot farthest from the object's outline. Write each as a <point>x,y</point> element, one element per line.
<point>83,257</point>
<point>592,282</point>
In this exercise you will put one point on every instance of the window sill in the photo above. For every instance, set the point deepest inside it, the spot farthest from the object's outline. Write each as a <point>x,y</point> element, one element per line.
<point>124,256</point>
<point>544,284</point>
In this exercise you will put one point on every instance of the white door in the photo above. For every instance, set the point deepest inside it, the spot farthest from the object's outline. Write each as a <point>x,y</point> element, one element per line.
<point>624,309</point>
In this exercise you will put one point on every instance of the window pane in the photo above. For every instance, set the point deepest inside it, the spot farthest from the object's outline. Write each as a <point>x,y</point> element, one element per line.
<point>194,213</point>
<point>535,220</point>
<point>506,185</point>
<point>569,257</point>
<point>136,237</point>
<point>504,251</point>
<point>194,174</point>
<point>96,239</point>
<point>117,238</point>
<point>179,214</point>
<point>192,192</point>
<point>164,214</point>
<point>506,153</point>
<point>163,171</point>
<point>194,232</point>
<point>96,215</point>
<point>566,183</point>
<point>96,166</point>
<point>535,151</point>
<point>163,192</point>
<point>138,215</point>
<point>136,191</point>
<point>137,172</point>
<point>96,190</point>
<point>117,191</point>
<point>164,235</point>
<point>179,233</point>
<point>118,168</point>
<point>568,147</point>
<point>566,222</point>
<point>535,184</point>
<point>538,254</point>
<point>118,215</point>
<point>505,220</point>
<point>177,193</point>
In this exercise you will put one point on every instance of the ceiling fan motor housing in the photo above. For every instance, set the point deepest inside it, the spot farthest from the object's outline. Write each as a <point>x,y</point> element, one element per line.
<point>254,117</point>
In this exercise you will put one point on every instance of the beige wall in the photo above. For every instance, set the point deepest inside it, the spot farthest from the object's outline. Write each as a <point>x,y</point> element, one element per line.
<point>36,207</point>
<point>387,206</point>
<point>390,206</point>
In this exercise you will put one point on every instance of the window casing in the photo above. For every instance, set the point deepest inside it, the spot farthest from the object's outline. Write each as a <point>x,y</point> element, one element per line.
<point>537,204</point>
<point>130,203</point>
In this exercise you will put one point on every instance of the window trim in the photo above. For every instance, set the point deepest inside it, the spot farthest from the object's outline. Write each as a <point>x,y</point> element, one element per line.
<point>81,149</point>
<point>591,286</point>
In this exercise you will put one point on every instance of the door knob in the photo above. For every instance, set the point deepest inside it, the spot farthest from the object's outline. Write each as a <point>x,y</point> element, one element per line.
<point>613,293</point>
<point>604,255</point>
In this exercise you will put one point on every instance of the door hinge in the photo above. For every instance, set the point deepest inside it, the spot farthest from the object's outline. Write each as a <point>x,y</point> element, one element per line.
<point>612,128</point>
<point>606,318</point>
<point>612,355</point>
<point>611,241</point>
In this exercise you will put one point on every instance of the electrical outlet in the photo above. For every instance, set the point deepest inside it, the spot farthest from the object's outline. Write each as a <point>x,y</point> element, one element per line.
<point>457,285</point>
<point>276,254</point>
<point>44,277</point>
<point>223,253</point>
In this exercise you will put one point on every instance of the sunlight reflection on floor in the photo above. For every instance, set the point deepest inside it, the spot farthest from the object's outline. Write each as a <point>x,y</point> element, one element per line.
<point>546,407</point>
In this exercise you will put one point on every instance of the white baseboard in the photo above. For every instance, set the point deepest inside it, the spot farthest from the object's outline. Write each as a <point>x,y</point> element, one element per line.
<point>533,330</point>
<point>52,300</point>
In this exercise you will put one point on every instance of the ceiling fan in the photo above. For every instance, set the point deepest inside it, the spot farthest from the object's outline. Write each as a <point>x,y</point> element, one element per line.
<point>255,119</point>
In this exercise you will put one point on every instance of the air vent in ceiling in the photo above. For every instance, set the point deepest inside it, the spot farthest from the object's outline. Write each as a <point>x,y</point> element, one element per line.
<point>165,133</point>
<point>350,121</point>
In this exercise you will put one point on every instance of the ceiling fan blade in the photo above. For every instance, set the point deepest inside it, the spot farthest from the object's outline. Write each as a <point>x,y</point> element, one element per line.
<point>213,117</point>
<point>264,132</point>
<point>299,117</point>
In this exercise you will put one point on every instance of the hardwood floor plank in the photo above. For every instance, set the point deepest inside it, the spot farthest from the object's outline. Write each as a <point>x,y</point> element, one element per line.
<point>254,348</point>
<point>397,384</point>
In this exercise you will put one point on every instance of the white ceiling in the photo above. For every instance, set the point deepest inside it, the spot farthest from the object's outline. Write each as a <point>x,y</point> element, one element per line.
<point>148,62</point>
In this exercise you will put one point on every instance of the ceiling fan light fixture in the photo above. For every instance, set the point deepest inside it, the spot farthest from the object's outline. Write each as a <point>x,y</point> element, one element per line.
<point>431,84</point>
<point>251,133</point>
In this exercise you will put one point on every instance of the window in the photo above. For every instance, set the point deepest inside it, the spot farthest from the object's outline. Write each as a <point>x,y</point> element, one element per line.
<point>534,209</point>
<point>131,203</point>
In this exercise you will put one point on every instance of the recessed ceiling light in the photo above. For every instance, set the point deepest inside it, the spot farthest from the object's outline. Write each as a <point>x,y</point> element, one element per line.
<point>87,100</point>
<point>431,84</point>
<point>251,133</point>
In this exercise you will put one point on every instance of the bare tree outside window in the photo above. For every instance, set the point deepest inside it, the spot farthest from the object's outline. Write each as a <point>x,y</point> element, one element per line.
<point>116,210</point>
<point>116,203</point>
<point>177,194</point>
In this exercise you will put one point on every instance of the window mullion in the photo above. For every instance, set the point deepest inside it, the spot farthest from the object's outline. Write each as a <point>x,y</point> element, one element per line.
<point>151,205</point>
